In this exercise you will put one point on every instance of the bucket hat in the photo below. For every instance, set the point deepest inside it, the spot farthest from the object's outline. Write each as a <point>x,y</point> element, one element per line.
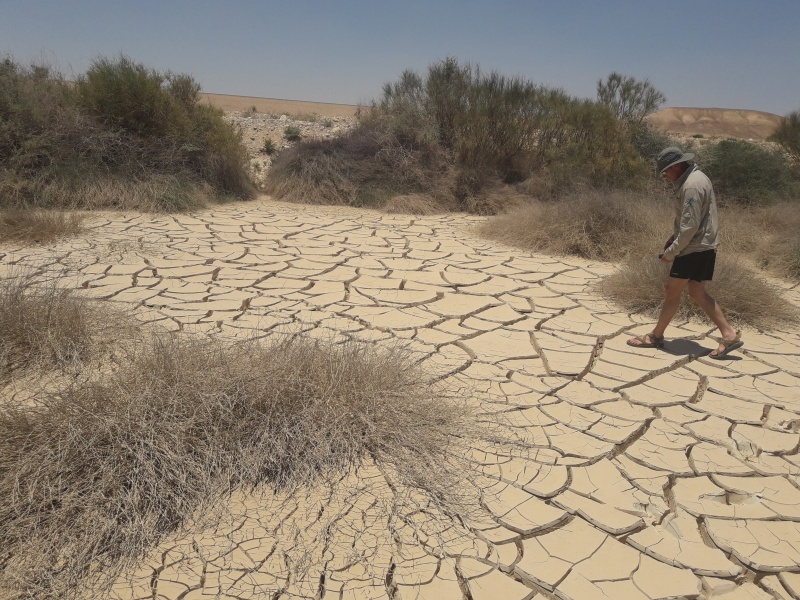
<point>671,156</point>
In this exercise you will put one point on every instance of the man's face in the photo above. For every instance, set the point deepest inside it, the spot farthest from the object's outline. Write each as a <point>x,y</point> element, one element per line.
<point>673,172</point>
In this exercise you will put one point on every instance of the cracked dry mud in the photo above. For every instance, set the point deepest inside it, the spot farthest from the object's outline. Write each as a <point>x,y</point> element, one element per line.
<point>652,474</point>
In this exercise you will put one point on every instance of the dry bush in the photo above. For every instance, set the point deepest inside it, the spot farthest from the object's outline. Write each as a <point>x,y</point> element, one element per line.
<point>496,200</point>
<point>745,297</point>
<point>94,476</point>
<point>593,224</point>
<point>42,325</point>
<point>365,168</point>
<point>412,204</point>
<point>41,226</point>
<point>151,192</point>
<point>769,236</point>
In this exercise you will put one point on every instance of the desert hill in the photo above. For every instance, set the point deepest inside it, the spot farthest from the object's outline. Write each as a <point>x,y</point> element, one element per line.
<point>709,122</point>
<point>278,106</point>
<point>716,122</point>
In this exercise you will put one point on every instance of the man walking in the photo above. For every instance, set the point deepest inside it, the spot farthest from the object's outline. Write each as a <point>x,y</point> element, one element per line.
<point>692,250</point>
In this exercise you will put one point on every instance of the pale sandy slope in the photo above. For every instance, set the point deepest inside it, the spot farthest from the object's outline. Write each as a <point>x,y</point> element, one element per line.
<point>278,106</point>
<point>716,122</point>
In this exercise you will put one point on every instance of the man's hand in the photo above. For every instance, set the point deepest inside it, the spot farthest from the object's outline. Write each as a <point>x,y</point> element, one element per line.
<point>664,260</point>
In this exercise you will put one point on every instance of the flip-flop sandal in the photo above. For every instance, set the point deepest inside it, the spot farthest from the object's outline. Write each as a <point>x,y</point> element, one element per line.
<point>728,346</point>
<point>655,342</point>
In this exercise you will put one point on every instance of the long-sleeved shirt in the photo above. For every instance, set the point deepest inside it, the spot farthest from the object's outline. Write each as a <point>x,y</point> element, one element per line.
<point>696,224</point>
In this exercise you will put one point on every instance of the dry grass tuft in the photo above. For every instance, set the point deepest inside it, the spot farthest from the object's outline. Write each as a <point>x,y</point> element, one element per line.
<point>497,200</point>
<point>413,204</point>
<point>623,226</point>
<point>45,325</point>
<point>746,298</point>
<point>39,226</point>
<point>768,235</point>
<point>598,225</point>
<point>92,477</point>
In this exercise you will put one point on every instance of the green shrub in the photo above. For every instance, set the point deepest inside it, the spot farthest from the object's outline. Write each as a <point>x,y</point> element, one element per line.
<point>38,119</point>
<point>508,128</point>
<point>268,147</point>
<point>788,133</point>
<point>121,122</point>
<point>489,129</point>
<point>630,99</point>
<point>649,142</point>
<point>595,149</point>
<point>292,133</point>
<point>129,96</point>
<point>745,173</point>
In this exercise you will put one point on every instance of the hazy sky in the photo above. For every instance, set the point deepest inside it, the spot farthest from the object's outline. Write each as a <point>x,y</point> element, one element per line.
<point>712,53</point>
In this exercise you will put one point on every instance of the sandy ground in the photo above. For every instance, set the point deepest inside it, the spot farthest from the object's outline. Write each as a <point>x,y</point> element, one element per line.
<point>652,473</point>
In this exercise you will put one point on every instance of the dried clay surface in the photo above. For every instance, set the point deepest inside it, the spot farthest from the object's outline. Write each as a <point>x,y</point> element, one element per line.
<point>650,474</point>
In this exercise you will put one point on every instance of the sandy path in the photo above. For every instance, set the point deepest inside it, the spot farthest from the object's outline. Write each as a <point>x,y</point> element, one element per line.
<point>658,474</point>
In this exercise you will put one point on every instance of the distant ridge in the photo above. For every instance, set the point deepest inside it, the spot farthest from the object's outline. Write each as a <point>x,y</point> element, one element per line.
<point>279,106</point>
<point>716,122</point>
<point>709,122</point>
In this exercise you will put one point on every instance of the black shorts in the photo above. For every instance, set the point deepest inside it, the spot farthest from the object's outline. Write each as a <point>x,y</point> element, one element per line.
<point>697,266</point>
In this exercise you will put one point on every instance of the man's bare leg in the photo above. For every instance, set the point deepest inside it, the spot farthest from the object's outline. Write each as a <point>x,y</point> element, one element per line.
<point>672,301</point>
<point>698,293</point>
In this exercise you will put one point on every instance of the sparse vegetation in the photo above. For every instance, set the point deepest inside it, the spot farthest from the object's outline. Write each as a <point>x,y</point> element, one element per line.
<point>788,133</point>
<point>306,116</point>
<point>268,146</point>
<point>123,135</point>
<point>746,173</point>
<point>470,131</point>
<point>592,224</point>
<point>43,325</point>
<point>638,286</point>
<point>767,236</point>
<point>38,226</point>
<point>631,228</point>
<point>94,474</point>
<point>649,142</point>
<point>292,133</point>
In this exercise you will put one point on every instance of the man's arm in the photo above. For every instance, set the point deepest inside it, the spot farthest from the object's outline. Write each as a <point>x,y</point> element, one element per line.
<point>667,245</point>
<point>691,217</point>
